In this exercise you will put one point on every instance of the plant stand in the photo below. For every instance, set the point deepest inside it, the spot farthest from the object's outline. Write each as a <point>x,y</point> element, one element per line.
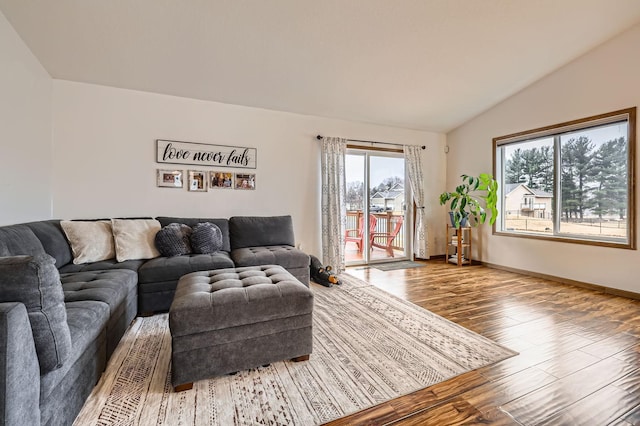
<point>459,242</point>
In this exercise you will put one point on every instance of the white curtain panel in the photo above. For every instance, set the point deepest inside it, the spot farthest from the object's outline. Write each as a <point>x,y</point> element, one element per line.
<point>413,163</point>
<point>334,211</point>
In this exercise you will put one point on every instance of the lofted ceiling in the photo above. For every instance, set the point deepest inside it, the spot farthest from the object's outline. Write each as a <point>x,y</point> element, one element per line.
<point>419,64</point>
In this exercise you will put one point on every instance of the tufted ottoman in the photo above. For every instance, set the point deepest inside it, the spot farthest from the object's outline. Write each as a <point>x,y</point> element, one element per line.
<point>227,320</point>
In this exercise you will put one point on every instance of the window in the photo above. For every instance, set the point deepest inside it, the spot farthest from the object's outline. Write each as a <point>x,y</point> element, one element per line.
<point>571,182</point>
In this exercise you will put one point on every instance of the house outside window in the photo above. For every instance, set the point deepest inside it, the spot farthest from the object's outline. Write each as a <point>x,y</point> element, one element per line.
<point>571,182</point>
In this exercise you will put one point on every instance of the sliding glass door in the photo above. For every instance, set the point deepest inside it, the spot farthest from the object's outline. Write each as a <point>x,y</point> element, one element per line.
<point>376,200</point>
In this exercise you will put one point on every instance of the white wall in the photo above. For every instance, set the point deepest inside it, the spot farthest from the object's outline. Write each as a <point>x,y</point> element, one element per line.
<point>25,131</point>
<point>604,80</point>
<point>104,156</point>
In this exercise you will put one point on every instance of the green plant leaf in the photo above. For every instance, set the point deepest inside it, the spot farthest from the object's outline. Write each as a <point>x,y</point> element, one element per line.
<point>473,183</point>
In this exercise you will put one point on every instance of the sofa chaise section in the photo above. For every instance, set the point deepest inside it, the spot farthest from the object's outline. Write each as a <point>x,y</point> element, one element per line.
<point>19,369</point>
<point>258,240</point>
<point>99,307</point>
<point>64,391</point>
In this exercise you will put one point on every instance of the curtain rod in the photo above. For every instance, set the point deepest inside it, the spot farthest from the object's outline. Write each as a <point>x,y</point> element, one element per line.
<point>319,137</point>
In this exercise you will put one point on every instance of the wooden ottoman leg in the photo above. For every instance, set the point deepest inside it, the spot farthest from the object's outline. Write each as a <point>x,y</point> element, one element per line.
<point>184,387</point>
<point>300,358</point>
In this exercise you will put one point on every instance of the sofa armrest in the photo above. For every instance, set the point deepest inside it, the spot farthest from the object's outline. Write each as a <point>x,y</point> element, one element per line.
<point>19,368</point>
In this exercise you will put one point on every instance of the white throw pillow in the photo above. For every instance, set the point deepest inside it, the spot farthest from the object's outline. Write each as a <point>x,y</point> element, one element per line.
<point>135,238</point>
<point>90,241</point>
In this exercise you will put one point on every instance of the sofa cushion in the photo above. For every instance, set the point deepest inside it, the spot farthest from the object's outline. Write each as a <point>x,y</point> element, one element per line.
<point>110,287</point>
<point>16,240</point>
<point>174,240</point>
<point>87,323</point>
<point>223,224</point>
<point>285,256</point>
<point>132,265</point>
<point>55,243</point>
<point>206,238</point>
<point>250,231</point>
<point>90,241</point>
<point>34,281</point>
<point>172,268</point>
<point>135,238</point>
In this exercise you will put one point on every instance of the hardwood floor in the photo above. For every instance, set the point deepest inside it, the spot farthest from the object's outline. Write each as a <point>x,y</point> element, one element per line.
<point>579,361</point>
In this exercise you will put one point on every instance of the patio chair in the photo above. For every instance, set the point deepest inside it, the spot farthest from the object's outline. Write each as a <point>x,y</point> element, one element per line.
<point>357,235</point>
<point>384,240</point>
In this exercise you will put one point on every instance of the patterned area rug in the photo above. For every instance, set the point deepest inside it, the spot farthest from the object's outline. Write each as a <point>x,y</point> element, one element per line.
<point>369,347</point>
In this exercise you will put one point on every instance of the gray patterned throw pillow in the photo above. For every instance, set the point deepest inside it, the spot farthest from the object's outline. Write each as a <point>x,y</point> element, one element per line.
<point>174,240</point>
<point>206,238</point>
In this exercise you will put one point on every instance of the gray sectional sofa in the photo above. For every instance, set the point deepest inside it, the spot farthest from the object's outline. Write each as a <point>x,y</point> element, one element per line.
<point>47,372</point>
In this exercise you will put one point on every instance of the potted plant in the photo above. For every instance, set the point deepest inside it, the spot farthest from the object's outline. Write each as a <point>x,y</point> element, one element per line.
<point>465,201</point>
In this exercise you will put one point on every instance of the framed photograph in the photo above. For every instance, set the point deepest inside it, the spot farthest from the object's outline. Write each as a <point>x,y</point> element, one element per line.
<point>220,180</point>
<point>245,181</point>
<point>169,178</point>
<point>197,180</point>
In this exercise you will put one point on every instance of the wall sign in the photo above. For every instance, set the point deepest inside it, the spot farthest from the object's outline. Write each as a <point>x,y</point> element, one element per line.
<point>201,154</point>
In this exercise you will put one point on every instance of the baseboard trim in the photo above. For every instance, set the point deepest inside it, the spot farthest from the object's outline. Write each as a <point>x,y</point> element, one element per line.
<point>596,287</point>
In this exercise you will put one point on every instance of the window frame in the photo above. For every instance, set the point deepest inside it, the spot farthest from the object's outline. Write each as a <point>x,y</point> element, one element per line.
<point>409,213</point>
<point>556,130</point>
